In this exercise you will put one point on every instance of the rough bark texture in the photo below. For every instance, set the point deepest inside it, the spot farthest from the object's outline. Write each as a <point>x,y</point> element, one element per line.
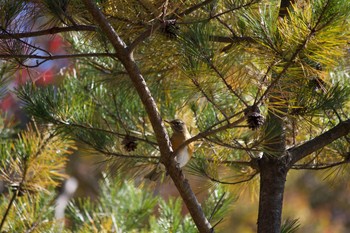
<point>299,152</point>
<point>273,173</point>
<point>273,168</point>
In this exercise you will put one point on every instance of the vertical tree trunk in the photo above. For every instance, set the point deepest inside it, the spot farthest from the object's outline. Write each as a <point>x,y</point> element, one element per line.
<point>273,168</point>
<point>273,173</point>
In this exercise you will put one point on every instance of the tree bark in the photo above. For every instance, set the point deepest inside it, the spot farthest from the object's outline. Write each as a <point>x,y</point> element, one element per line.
<point>273,168</point>
<point>273,173</point>
<point>301,151</point>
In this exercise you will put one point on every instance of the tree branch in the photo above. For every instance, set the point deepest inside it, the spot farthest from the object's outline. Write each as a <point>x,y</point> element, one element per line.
<point>13,198</point>
<point>207,133</point>
<point>219,14</point>
<point>229,162</point>
<point>321,166</point>
<point>126,58</point>
<point>55,57</point>
<point>44,59</point>
<point>250,177</point>
<point>120,135</point>
<point>144,36</point>
<point>118,154</point>
<point>194,8</point>
<point>299,152</point>
<point>195,82</point>
<point>228,86</point>
<point>49,31</point>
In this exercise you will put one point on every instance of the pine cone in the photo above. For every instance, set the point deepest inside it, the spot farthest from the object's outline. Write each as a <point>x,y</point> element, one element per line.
<point>254,118</point>
<point>316,83</point>
<point>318,66</point>
<point>170,28</point>
<point>129,143</point>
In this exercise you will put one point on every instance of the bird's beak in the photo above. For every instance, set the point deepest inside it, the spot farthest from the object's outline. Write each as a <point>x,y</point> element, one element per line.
<point>169,122</point>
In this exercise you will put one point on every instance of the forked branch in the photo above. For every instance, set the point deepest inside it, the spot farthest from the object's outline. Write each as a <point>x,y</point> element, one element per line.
<point>301,151</point>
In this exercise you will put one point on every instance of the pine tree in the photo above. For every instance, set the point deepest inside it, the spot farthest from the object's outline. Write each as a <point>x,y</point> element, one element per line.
<point>262,85</point>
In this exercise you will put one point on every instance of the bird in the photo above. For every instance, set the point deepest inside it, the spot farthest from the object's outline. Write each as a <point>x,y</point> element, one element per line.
<point>180,135</point>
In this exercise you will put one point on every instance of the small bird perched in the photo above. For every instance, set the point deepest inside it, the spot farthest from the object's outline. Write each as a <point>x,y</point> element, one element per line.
<point>180,135</point>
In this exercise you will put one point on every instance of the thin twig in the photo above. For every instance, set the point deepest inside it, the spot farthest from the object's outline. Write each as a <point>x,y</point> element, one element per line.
<point>104,130</point>
<point>318,166</point>
<point>25,42</point>
<point>217,223</point>
<point>195,82</point>
<point>229,87</point>
<point>227,145</point>
<point>227,162</point>
<point>234,39</point>
<point>216,206</point>
<point>231,183</point>
<point>143,36</point>
<point>55,57</point>
<point>194,8</point>
<point>53,30</point>
<point>221,13</point>
<point>263,80</point>
<point>51,57</point>
<point>207,133</point>
<point>120,155</point>
<point>227,26</point>
<point>13,198</point>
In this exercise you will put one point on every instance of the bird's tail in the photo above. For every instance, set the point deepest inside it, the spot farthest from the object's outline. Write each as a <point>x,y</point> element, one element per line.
<point>155,174</point>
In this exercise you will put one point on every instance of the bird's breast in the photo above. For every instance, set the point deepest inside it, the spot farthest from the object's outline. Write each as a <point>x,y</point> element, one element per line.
<point>183,157</point>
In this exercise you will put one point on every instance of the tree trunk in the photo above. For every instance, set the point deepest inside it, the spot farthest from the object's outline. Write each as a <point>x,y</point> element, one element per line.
<point>273,173</point>
<point>273,166</point>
